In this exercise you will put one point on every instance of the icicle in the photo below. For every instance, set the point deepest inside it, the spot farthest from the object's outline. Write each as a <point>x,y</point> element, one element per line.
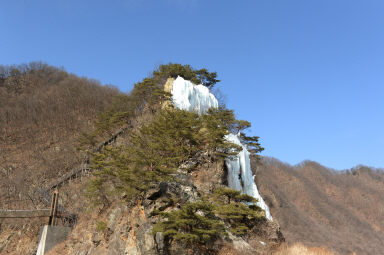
<point>197,98</point>
<point>240,175</point>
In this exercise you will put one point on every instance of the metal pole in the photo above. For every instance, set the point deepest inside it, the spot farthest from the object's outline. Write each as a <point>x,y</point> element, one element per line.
<point>55,207</point>
<point>51,212</point>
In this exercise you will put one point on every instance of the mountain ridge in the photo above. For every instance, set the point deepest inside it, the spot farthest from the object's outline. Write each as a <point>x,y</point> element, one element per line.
<point>282,186</point>
<point>319,206</point>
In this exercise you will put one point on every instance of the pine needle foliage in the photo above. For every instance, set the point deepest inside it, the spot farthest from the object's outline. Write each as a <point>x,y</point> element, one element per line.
<point>149,93</point>
<point>252,143</point>
<point>125,108</point>
<point>229,195</point>
<point>237,210</point>
<point>228,121</point>
<point>193,225</point>
<point>197,76</point>
<point>197,223</point>
<point>156,150</point>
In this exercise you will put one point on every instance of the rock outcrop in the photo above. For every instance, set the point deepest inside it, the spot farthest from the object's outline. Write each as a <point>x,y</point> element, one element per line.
<point>128,227</point>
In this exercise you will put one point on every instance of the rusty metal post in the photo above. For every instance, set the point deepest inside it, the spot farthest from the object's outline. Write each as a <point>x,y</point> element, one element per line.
<point>55,207</point>
<point>51,211</point>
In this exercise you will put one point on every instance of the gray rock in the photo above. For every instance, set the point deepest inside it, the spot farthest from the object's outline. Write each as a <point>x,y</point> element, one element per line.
<point>159,242</point>
<point>112,217</point>
<point>96,238</point>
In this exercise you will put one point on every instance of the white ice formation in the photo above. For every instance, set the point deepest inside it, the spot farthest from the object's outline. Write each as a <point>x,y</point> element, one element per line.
<point>240,175</point>
<point>190,97</point>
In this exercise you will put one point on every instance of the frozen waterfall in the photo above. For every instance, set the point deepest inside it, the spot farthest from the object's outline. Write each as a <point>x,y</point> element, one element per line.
<point>190,97</point>
<point>240,175</point>
<point>197,98</point>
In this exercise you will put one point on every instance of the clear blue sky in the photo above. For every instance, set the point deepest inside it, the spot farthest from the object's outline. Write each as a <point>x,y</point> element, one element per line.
<point>308,74</point>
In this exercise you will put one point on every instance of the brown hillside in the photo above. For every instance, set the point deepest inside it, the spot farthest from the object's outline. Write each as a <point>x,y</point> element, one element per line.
<point>43,110</point>
<point>321,207</point>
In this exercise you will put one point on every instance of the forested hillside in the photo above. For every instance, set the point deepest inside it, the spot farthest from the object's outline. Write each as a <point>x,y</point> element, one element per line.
<point>322,207</point>
<point>43,111</point>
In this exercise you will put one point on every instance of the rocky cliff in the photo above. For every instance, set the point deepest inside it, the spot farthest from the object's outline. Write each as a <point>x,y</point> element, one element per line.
<point>128,227</point>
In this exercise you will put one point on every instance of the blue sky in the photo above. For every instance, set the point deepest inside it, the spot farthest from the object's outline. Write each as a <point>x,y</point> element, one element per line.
<point>308,74</point>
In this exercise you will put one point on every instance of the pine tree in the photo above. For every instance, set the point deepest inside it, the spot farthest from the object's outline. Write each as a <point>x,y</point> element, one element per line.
<point>252,143</point>
<point>194,225</point>
<point>236,209</point>
<point>156,150</point>
<point>200,76</point>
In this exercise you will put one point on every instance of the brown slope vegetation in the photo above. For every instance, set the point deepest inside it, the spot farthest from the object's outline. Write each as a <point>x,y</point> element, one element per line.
<point>43,110</point>
<point>318,206</point>
<point>300,249</point>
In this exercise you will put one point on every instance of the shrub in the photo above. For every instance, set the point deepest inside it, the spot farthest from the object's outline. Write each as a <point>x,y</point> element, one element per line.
<point>101,226</point>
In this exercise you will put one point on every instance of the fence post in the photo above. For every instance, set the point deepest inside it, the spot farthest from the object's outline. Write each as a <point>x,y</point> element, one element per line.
<point>55,207</point>
<point>51,211</point>
<point>55,197</point>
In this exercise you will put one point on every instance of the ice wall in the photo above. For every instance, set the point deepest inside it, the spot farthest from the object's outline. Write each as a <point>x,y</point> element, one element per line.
<point>190,97</point>
<point>197,98</point>
<point>240,175</point>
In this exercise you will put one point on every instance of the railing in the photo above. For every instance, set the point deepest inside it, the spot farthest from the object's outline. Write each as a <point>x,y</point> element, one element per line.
<point>26,208</point>
<point>24,213</point>
<point>54,213</point>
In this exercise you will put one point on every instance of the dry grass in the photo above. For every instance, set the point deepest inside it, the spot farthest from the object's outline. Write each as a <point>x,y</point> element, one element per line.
<point>300,249</point>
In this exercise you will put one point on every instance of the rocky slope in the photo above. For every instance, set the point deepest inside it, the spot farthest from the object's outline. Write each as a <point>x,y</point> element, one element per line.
<point>128,227</point>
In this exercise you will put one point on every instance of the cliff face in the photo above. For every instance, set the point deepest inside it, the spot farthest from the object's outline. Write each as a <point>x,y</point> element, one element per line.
<point>128,227</point>
<point>321,207</point>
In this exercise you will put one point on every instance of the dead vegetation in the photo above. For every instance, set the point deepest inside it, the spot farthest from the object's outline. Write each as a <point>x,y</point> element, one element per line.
<point>300,249</point>
<point>321,207</point>
<point>43,110</point>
